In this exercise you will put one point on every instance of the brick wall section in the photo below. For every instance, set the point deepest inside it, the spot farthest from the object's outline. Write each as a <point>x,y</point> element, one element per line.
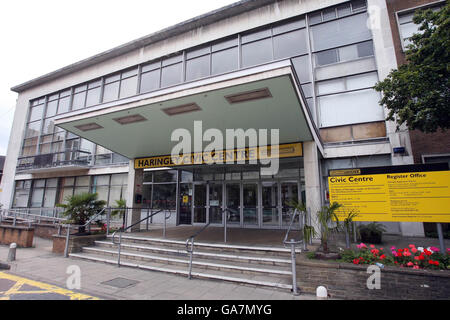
<point>22,236</point>
<point>348,281</point>
<point>76,243</point>
<point>435,143</point>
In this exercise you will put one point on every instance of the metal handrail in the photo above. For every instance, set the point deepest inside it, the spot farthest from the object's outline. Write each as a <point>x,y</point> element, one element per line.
<point>293,243</point>
<point>122,230</point>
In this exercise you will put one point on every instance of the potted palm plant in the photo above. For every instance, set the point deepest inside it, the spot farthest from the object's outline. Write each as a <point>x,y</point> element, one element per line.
<point>308,231</point>
<point>329,224</point>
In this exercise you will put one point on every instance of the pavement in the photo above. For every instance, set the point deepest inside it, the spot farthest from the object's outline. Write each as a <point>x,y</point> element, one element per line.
<point>52,276</point>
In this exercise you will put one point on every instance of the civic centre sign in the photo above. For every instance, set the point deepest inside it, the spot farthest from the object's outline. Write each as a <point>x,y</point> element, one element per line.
<point>412,193</point>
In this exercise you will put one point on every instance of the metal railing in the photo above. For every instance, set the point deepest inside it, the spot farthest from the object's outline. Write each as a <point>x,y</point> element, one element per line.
<point>25,215</point>
<point>167,215</point>
<point>56,159</point>
<point>70,226</point>
<point>293,243</point>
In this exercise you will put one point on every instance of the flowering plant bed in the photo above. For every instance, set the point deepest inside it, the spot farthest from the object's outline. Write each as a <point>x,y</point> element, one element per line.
<point>411,257</point>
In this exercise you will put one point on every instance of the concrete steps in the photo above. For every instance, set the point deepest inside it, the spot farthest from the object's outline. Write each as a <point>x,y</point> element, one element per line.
<point>261,266</point>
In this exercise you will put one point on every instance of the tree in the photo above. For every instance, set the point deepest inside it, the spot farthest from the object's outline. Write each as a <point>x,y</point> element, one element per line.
<point>328,222</point>
<point>79,208</point>
<point>418,93</point>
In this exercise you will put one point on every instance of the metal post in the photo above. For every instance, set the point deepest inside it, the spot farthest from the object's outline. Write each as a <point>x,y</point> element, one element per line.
<point>441,237</point>
<point>108,220</point>
<point>12,252</point>
<point>118,252</point>
<point>354,232</point>
<point>225,226</point>
<point>347,239</point>
<point>15,217</point>
<point>66,248</point>
<point>294,271</point>
<point>190,259</point>
<point>305,245</point>
<point>146,221</point>
<point>164,228</point>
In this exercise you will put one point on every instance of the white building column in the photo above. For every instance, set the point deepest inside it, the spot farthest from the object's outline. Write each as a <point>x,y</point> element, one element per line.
<point>135,180</point>
<point>312,181</point>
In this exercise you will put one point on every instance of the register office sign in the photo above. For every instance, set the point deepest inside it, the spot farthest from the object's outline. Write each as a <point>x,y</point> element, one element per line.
<point>414,193</point>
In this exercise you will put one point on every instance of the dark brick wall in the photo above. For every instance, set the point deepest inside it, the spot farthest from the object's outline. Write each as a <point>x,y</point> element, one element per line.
<point>435,143</point>
<point>348,281</point>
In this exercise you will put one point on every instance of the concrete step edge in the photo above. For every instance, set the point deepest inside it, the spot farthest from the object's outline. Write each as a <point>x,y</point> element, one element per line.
<point>200,253</point>
<point>194,274</point>
<point>194,263</point>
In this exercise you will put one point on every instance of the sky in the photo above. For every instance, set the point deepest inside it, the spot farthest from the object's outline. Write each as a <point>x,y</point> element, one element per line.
<point>41,36</point>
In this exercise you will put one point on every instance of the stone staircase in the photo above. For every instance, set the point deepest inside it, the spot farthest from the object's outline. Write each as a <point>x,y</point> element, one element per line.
<point>252,265</point>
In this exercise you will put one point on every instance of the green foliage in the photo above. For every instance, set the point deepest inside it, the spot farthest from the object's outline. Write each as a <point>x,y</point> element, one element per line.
<point>120,207</point>
<point>311,255</point>
<point>308,231</point>
<point>418,94</point>
<point>81,207</point>
<point>329,223</point>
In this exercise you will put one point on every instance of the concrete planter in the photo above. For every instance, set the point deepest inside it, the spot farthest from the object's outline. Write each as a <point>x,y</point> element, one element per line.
<point>76,243</point>
<point>349,281</point>
<point>22,236</point>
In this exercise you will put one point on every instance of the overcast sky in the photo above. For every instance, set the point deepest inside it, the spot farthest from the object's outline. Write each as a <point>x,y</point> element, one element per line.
<point>40,36</point>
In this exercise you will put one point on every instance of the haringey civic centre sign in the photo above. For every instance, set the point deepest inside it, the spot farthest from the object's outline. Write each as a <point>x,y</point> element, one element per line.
<point>224,156</point>
<point>412,193</point>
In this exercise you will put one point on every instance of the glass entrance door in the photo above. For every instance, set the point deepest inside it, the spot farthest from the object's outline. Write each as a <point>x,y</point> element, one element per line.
<point>199,203</point>
<point>289,193</point>
<point>250,204</point>
<point>215,202</point>
<point>185,203</point>
<point>270,210</point>
<point>233,203</point>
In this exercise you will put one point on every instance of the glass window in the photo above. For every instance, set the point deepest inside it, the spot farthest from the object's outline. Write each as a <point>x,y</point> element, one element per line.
<point>151,66</point>
<point>64,105</point>
<point>351,107</point>
<point>150,81</point>
<point>128,87</point>
<point>329,14</point>
<point>113,78</point>
<point>290,44</point>
<point>171,75</point>
<point>129,73</point>
<point>165,176</point>
<point>289,26</point>
<point>37,197</point>
<point>93,97</point>
<point>224,61</point>
<point>36,113</point>
<point>340,32</point>
<point>82,181</point>
<point>197,68</point>
<point>21,195</point>
<point>79,100</point>
<point>358,5</point>
<point>225,44</point>
<point>49,198</point>
<point>111,92</point>
<point>86,145</point>
<point>360,81</point>
<point>315,18</point>
<point>198,52</point>
<point>164,196</point>
<point>51,108</point>
<point>80,190</point>
<point>307,90</point>
<point>326,57</point>
<point>302,68</point>
<point>45,148</point>
<point>33,129</point>
<point>330,86</point>
<point>49,126</point>
<point>256,36</point>
<point>101,180</point>
<point>365,49</point>
<point>343,9</point>
<point>256,52</point>
<point>172,60</point>
<point>119,179</point>
<point>102,192</point>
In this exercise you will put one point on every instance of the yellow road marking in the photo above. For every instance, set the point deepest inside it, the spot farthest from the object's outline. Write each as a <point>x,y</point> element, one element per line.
<point>45,288</point>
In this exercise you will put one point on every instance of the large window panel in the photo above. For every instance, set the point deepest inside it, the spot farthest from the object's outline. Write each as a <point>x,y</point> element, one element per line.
<point>128,87</point>
<point>51,108</point>
<point>64,105</point>
<point>340,32</point>
<point>150,81</point>
<point>111,91</point>
<point>225,61</point>
<point>33,129</point>
<point>36,113</point>
<point>352,107</point>
<point>302,68</point>
<point>164,196</point>
<point>93,96</point>
<point>171,75</point>
<point>197,68</point>
<point>290,44</point>
<point>49,198</point>
<point>79,100</point>
<point>257,52</point>
<point>37,197</point>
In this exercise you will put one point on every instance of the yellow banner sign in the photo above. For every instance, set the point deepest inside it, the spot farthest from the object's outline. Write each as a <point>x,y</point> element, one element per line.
<point>224,156</point>
<point>412,196</point>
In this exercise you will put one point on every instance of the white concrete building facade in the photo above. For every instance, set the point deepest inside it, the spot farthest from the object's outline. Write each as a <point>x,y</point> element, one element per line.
<point>312,65</point>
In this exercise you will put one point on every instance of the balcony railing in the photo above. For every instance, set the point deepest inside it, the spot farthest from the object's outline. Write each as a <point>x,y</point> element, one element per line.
<point>53,160</point>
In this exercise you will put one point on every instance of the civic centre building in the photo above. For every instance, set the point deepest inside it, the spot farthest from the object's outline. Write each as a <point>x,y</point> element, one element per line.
<point>306,68</point>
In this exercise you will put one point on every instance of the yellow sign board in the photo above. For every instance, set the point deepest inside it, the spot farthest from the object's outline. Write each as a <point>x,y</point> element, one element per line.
<point>224,156</point>
<point>411,196</point>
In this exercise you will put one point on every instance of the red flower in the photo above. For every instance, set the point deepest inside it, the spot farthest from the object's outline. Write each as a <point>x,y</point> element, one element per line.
<point>382,256</point>
<point>355,261</point>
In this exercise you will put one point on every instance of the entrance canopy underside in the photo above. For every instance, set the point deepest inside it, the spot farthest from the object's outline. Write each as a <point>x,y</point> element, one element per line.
<point>265,97</point>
